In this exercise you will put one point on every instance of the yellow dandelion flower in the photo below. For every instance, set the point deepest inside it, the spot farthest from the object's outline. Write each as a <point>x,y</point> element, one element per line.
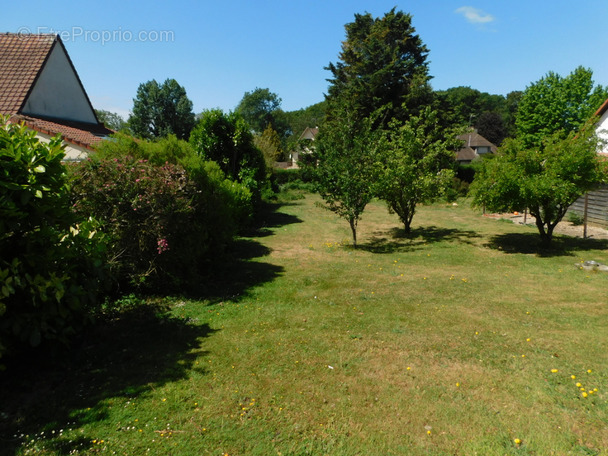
<point>517,441</point>
<point>589,371</point>
<point>584,394</point>
<point>578,384</point>
<point>554,371</point>
<point>573,377</point>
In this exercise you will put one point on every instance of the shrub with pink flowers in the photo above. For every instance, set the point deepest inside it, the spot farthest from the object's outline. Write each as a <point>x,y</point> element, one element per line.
<point>164,221</point>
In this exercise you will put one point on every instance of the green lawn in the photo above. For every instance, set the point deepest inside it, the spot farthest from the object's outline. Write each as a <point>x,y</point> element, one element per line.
<point>456,341</point>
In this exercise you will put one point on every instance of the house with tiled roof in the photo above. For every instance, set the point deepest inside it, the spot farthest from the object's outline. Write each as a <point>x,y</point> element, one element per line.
<point>474,146</point>
<point>40,87</point>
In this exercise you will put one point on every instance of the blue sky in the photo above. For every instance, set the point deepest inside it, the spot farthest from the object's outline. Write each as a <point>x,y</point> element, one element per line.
<point>218,50</point>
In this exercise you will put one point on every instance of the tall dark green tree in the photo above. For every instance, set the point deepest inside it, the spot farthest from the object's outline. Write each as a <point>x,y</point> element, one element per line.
<point>382,66</point>
<point>490,125</point>
<point>160,110</point>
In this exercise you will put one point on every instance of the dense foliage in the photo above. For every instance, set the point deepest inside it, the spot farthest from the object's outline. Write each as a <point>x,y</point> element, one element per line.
<point>50,263</point>
<point>492,115</point>
<point>166,210</point>
<point>382,65</point>
<point>227,140</point>
<point>311,116</point>
<point>269,143</point>
<point>557,104</point>
<point>261,108</point>
<point>416,165</point>
<point>545,180</point>
<point>343,169</point>
<point>160,110</point>
<point>111,120</point>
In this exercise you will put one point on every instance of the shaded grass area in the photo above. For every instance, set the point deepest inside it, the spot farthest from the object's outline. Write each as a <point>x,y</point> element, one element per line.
<point>456,340</point>
<point>48,396</point>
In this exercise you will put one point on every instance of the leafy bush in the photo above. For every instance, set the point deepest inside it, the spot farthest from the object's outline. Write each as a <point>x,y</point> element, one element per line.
<point>458,189</point>
<point>227,140</point>
<point>167,211</point>
<point>575,218</point>
<point>466,171</point>
<point>50,265</point>
<point>284,176</point>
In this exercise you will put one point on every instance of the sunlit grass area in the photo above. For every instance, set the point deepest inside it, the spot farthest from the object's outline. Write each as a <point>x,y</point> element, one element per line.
<point>463,338</point>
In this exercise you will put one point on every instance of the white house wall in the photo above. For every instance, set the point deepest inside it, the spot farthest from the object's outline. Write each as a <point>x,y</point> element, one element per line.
<point>602,131</point>
<point>72,151</point>
<point>58,93</point>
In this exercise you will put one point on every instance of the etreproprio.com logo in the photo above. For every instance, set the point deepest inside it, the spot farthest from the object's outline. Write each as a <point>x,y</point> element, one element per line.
<point>118,35</point>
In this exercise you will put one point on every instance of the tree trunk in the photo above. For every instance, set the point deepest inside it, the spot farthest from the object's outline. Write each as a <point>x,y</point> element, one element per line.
<point>353,228</point>
<point>545,234</point>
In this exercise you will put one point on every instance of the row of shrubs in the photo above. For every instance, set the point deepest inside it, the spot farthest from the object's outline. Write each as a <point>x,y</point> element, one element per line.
<point>135,216</point>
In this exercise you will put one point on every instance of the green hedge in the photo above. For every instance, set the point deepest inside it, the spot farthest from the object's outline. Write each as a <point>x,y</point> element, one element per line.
<point>167,212</point>
<point>51,270</point>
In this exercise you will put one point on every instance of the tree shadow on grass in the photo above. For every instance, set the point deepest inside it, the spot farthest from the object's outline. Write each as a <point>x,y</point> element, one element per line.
<point>118,359</point>
<point>240,268</point>
<point>397,240</point>
<point>121,358</point>
<point>270,217</point>
<point>530,243</point>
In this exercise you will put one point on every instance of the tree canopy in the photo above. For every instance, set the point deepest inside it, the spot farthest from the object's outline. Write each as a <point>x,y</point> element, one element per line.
<point>261,108</point>
<point>111,120</point>
<point>382,65</point>
<point>416,165</point>
<point>557,104</point>
<point>227,140</point>
<point>545,180</point>
<point>160,110</point>
<point>344,169</point>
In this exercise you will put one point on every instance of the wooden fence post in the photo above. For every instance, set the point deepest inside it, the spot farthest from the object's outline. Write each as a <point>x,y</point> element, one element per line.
<point>585,216</point>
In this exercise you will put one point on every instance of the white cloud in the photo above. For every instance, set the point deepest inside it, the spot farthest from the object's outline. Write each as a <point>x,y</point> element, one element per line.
<point>474,15</point>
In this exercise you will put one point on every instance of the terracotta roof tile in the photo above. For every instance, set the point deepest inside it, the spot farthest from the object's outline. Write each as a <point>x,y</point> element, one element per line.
<point>81,134</point>
<point>21,59</point>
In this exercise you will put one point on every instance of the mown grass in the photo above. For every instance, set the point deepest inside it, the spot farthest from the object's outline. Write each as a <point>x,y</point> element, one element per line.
<point>456,340</point>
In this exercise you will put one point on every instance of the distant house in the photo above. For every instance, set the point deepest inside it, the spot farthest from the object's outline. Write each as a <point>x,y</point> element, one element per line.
<point>305,140</point>
<point>474,146</point>
<point>39,86</point>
